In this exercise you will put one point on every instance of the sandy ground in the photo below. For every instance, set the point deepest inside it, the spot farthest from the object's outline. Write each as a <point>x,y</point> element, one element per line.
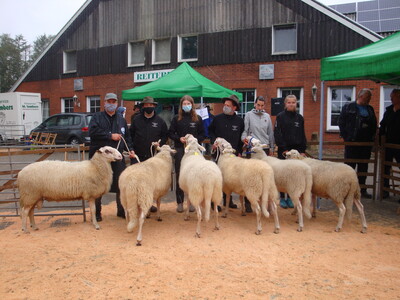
<point>69,259</point>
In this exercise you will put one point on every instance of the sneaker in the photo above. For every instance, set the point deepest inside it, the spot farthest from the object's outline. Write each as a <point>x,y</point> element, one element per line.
<point>232,205</point>
<point>179,209</point>
<point>283,203</point>
<point>120,215</point>
<point>218,207</point>
<point>191,208</point>
<point>153,209</point>
<point>289,203</point>
<point>247,205</point>
<point>365,194</point>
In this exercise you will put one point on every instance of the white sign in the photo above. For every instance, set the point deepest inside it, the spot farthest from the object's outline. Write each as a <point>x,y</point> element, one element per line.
<point>202,112</point>
<point>266,72</point>
<point>148,76</point>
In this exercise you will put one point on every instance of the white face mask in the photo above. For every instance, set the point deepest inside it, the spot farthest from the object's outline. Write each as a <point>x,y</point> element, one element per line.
<point>227,110</point>
<point>260,111</point>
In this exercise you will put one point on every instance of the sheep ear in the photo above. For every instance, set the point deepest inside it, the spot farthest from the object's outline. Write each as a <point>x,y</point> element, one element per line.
<point>202,148</point>
<point>264,146</point>
<point>187,149</point>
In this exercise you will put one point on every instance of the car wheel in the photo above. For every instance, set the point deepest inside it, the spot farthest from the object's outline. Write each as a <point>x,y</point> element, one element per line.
<point>74,141</point>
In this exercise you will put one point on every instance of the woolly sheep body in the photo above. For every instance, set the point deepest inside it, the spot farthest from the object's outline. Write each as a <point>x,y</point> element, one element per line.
<point>336,181</point>
<point>143,182</point>
<point>251,178</point>
<point>65,181</point>
<point>201,180</point>
<point>292,177</point>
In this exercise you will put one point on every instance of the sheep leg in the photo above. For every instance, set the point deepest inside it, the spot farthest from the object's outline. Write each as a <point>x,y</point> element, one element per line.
<point>187,211</point>
<point>92,208</point>
<point>314,205</point>
<point>158,210</point>
<point>342,211</point>
<point>24,213</point>
<point>274,211</point>
<point>299,209</point>
<point>141,221</point>
<point>199,216</point>
<point>228,196</point>
<point>360,208</point>
<point>32,219</point>
<point>257,209</point>
<point>242,205</point>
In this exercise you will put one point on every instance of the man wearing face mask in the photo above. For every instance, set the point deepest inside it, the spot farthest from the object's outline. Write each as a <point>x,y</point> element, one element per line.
<point>147,128</point>
<point>258,124</point>
<point>229,126</point>
<point>107,128</point>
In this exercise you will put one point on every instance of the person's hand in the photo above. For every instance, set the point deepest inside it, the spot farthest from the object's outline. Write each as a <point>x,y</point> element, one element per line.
<point>303,154</point>
<point>284,153</point>
<point>183,140</point>
<point>132,154</point>
<point>271,152</point>
<point>246,142</point>
<point>116,136</point>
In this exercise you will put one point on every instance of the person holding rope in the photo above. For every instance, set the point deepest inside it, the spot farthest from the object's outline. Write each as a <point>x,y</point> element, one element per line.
<point>147,131</point>
<point>108,128</point>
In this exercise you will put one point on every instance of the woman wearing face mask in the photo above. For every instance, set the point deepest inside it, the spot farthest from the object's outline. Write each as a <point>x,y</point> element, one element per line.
<point>229,126</point>
<point>185,122</point>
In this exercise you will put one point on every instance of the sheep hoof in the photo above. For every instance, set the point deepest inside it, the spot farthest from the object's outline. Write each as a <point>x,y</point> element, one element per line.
<point>186,218</point>
<point>197,235</point>
<point>216,228</point>
<point>139,243</point>
<point>243,214</point>
<point>364,230</point>
<point>300,229</point>
<point>277,230</point>
<point>314,215</point>
<point>34,228</point>
<point>258,232</point>
<point>337,229</point>
<point>26,231</point>
<point>224,216</point>
<point>159,219</point>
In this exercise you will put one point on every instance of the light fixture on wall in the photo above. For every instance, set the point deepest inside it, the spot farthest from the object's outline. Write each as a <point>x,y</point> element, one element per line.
<point>314,92</point>
<point>76,101</point>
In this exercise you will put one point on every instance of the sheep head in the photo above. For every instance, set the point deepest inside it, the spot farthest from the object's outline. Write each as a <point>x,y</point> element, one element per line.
<point>223,146</point>
<point>166,148</point>
<point>110,153</point>
<point>255,144</point>
<point>193,146</point>
<point>190,139</point>
<point>293,154</point>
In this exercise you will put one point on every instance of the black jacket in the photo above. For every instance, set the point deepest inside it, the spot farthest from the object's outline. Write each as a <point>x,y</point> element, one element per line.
<point>289,132</point>
<point>182,127</point>
<point>229,127</point>
<point>354,127</point>
<point>390,125</point>
<point>144,131</point>
<point>101,127</point>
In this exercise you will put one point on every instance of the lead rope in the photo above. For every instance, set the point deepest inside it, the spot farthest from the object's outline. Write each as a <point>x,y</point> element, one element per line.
<point>126,145</point>
<point>151,147</point>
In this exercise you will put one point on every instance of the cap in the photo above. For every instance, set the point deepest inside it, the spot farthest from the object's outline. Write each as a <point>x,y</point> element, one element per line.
<point>110,96</point>
<point>234,99</point>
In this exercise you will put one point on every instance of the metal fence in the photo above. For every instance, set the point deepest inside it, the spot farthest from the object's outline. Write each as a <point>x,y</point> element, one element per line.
<point>12,134</point>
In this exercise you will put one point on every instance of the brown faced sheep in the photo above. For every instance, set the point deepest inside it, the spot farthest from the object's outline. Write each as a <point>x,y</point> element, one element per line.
<point>336,181</point>
<point>251,178</point>
<point>63,181</point>
<point>141,183</point>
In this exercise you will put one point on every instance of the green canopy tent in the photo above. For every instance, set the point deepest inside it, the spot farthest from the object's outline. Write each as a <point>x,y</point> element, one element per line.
<point>379,61</point>
<point>184,80</point>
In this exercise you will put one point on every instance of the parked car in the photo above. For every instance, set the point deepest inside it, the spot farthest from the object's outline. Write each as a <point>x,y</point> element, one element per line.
<point>71,128</point>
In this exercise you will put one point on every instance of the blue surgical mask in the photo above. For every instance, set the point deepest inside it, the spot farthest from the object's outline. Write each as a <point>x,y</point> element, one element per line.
<point>110,107</point>
<point>187,108</point>
<point>227,110</point>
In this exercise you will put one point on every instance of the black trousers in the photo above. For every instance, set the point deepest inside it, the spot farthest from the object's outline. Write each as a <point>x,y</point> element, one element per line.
<point>390,154</point>
<point>118,167</point>
<point>180,195</point>
<point>358,152</point>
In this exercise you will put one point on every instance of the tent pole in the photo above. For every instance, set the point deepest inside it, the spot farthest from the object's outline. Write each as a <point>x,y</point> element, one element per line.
<point>321,123</point>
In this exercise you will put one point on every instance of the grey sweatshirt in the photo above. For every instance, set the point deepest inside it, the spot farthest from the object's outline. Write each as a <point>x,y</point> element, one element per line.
<point>260,127</point>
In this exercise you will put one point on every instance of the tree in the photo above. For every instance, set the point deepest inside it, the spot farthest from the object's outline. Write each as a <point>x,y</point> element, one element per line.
<point>39,45</point>
<point>14,59</point>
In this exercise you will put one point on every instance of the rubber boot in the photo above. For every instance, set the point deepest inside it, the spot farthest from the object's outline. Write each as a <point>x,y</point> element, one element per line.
<point>98,209</point>
<point>120,208</point>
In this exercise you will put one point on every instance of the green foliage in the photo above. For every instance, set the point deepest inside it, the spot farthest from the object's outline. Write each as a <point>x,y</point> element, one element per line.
<point>16,56</point>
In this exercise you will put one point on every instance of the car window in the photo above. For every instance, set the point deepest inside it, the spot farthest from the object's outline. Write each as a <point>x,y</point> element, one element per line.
<point>77,120</point>
<point>88,118</point>
<point>50,122</point>
<point>63,121</point>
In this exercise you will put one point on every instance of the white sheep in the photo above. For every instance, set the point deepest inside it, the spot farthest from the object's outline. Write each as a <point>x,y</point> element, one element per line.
<point>141,183</point>
<point>336,181</point>
<point>291,176</point>
<point>65,181</point>
<point>250,178</point>
<point>201,180</point>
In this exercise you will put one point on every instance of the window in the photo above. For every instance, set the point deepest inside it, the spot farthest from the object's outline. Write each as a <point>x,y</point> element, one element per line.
<point>45,109</point>
<point>51,122</point>
<point>161,51</point>
<point>298,92</point>
<point>93,104</point>
<point>249,95</point>
<point>284,39</point>
<point>67,105</point>
<point>136,54</point>
<point>69,61</point>
<point>187,48</point>
<point>337,97</point>
<point>385,99</point>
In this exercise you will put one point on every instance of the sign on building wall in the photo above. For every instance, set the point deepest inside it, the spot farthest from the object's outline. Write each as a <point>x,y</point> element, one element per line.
<point>78,84</point>
<point>148,76</point>
<point>266,72</point>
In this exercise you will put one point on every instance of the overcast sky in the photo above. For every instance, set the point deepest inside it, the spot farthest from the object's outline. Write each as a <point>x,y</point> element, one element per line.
<point>32,18</point>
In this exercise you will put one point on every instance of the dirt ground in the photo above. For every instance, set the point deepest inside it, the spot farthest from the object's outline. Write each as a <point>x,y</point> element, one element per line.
<point>69,259</point>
